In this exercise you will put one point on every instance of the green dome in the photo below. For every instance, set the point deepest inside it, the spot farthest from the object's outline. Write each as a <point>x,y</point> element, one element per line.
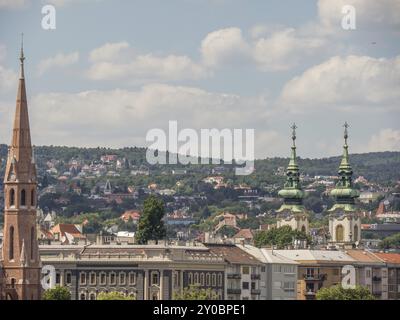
<point>291,193</point>
<point>344,192</point>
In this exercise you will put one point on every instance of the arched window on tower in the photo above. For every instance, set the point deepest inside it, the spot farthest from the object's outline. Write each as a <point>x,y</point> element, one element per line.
<point>11,239</point>
<point>23,197</point>
<point>12,197</point>
<point>32,243</point>
<point>33,197</point>
<point>355,233</point>
<point>339,233</point>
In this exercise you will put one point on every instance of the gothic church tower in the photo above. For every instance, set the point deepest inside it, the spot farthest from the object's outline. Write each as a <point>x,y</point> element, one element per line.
<point>21,260</point>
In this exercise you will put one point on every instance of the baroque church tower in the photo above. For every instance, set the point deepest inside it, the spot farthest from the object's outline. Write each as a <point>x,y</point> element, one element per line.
<point>21,260</point>
<point>292,212</point>
<point>344,220</point>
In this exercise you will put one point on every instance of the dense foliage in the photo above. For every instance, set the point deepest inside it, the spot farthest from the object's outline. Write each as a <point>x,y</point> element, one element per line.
<point>151,227</point>
<point>339,293</point>
<point>57,293</point>
<point>279,237</point>
<point>113,295</point>
<point>391,242</point>
<point>194,292</point>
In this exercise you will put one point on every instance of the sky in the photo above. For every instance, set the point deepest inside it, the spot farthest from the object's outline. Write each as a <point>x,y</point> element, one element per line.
<point>113,70</point>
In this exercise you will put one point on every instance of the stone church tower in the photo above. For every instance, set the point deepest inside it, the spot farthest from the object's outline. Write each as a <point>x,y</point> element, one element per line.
<point>292,212</point>
<point>20,256</point>
<point>344,220</point>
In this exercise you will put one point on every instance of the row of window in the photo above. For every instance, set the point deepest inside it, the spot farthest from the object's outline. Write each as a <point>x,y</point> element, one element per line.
<point>11,197</point>
<point>93,295</point>
<point>111,279</point>
<point>284,285</point>
<point>284,268</point>
<point>204,279</point>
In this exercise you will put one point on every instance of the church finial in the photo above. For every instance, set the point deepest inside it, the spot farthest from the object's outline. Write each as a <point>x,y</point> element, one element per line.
<point>22,57</point>
<point>294,127</point>
<point>346,135</point>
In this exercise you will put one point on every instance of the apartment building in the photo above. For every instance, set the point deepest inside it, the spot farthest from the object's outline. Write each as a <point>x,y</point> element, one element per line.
<point>279,275</point>
<point>317,269</point>
<point>372,272</point>
<point>242,271</point>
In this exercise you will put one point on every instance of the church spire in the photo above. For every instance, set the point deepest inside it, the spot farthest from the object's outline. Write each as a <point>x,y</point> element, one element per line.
<point>20,259</point>
<point>292,193</point>
<point>344,193</point>
<point>22,58</point>
<point>21,149</point>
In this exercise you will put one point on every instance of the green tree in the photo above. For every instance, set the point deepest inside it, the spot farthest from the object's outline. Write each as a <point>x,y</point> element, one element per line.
<point>151,226</point>
<point>113,295</point>
<point>280,237</point>
<point>391,242</point>
<point>194,292</point>
<point>339,293</point>
<point>57,293</point>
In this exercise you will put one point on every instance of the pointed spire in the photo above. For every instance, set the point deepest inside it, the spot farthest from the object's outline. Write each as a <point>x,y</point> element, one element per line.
<point>22,58</point>
<point>344,193</point>
<point>20,151</point>
<point>345,158</point>
<point>292,193</point>
<point>293,158</point>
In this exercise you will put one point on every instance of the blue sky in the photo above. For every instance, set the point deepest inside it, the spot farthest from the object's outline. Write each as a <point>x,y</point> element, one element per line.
<point>112,70</point>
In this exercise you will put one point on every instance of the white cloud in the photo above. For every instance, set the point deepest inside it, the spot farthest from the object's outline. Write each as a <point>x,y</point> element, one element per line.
<point>8,79</point>
<point>14,4</point>
<point>271,48</point>
<point>224,46</point>
<point>347,83</point>
<point>59,60</point>
<point>385,140</point>
<point>122,117</point>
<point>108,52</point>
<point>283,49</point>
<point>110,64</point>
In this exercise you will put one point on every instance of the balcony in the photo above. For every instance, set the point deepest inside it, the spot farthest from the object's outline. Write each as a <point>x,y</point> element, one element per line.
<point>255,277</point>
<point>233,275</point>
<point>309,293</point>
<point>255,291</point>
<point>234,291</point>
<point>315,277</point>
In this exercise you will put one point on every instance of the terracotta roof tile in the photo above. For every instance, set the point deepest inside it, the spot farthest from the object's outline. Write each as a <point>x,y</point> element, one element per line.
<point>233,254</point>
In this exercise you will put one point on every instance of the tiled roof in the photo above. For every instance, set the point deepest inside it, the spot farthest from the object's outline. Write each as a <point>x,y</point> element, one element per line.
<point>244,233</point>
<point>363,256</point>
<point>233,254</point>
<point>71,229</point>
<point>389,257</point>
